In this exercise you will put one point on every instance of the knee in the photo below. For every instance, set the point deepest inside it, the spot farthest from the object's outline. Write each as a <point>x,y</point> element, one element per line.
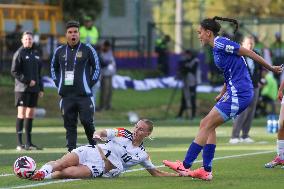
<point>206,124</point>
<point>21,114</point>
<point>66,174</point>
<point>29,113</point>
<point>58,165</point>
<point>203,123</point>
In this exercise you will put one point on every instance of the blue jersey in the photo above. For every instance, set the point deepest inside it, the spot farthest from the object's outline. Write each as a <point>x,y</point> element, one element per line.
<point>239,85</point>
<point>232,65</point>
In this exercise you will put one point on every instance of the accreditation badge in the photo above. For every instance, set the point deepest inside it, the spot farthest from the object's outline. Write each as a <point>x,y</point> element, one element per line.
<point>69,78</point>
<point>79,54</point>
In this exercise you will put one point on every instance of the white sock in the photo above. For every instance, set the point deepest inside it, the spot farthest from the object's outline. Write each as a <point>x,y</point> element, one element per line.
<point>47,169</point>
<point>280,149</point>
<point>48,176</point>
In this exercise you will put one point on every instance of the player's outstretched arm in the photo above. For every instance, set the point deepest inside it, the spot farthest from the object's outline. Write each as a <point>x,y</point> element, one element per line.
<point>222,92</point>
<point>245,52</point>
<point>159,173</point>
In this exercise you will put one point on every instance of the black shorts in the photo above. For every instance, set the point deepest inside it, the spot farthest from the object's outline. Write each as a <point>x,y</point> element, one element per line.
<point>26,99</point>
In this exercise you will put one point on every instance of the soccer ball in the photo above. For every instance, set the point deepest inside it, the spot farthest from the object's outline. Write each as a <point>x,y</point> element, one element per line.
<point>24,167</point>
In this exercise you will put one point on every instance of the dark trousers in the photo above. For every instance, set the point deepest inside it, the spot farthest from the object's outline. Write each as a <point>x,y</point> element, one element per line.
<point>243,121</point>
<point>188,99</point>
<point>106,92</point>
<point>163,63</point>
<point>70,108</point>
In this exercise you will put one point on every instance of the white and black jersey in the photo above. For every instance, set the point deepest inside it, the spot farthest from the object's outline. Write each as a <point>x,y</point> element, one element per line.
<point>122,154</point>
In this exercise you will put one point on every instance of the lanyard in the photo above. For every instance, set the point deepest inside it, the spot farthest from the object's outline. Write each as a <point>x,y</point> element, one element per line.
<point>75,59</point>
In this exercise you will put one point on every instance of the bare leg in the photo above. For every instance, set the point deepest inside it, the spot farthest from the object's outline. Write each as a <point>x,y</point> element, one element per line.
<point>208,126</point>
<point>206,134</point>
<point>68,160</point>
<point>79,171</point>
<point>21,112</point>
<point>281,124</point>
<point>279,159</point>
<point>29,113</point>
<point>280,136</point>
<point>212,139</point>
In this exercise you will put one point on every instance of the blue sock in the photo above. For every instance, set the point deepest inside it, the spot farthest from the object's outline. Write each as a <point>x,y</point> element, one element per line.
<point>192,153</point>
<point>208,156</point>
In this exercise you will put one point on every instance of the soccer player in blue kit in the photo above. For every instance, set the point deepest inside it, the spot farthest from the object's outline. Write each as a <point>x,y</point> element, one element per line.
<point>234,98</point>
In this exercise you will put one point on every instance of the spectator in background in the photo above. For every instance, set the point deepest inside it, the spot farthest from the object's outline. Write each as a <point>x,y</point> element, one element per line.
<point>259,46</point>
<point>26,68</point>
<point>244,120</point>
<point>13,40</point>
<point>88,32</point>
<point>108,69</point>
<point>188,74</point>
<point>277,49</point>
<point>162,49</point>
<point>89,35</point>
<point>269,93</point>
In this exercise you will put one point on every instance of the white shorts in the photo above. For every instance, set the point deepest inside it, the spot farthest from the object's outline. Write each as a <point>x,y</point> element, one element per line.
<point>282,101</point>
<point>90,156</point>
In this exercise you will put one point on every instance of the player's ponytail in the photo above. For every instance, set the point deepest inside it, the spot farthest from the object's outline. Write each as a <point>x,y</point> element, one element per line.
<point>235,22</point>
<point>214,26</point>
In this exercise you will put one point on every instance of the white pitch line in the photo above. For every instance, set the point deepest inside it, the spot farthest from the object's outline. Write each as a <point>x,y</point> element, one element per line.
<point>135,170</point>
<point>6,175</point>
<point>217,158</point>
<point>43,183</point>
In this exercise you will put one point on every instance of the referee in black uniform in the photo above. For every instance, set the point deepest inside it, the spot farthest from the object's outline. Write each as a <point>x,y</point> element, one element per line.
<point>26,68</point>
<point>75,69</point>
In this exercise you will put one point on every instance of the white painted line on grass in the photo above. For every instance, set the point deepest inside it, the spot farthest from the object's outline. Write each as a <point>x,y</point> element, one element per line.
<point>135,170</point>
<point>6,175</point>
<point>43,183</point>
<point>217,158</point>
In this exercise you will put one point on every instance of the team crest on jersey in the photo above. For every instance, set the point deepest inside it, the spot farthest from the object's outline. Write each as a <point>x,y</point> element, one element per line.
<point>122,132</point>
<point>79,54</point>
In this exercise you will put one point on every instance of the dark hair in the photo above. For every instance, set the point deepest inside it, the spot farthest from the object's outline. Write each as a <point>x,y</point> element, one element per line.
<point>72,23</point>
<point>106,43</point>
<point>214,26</point>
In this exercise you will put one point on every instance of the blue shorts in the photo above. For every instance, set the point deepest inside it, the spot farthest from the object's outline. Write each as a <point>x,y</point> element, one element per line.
<point>230,107</point>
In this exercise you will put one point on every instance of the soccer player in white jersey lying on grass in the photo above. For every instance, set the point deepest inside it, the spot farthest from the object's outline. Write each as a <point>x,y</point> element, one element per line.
<point>122,149</point>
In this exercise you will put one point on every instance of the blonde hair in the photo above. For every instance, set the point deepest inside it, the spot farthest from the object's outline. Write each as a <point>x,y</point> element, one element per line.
<point>149,123</point>
<point>248,37</point>
<point>27,33</point>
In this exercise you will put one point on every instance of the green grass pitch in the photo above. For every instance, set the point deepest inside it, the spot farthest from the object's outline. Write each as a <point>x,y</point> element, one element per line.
<point>235,166</point>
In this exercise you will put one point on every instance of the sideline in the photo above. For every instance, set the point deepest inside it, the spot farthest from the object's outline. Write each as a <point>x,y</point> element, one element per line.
<point>132,170</point>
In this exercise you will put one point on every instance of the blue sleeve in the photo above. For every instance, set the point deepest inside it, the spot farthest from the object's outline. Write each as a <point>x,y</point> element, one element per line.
<point>95,64</point>
<point>227,45</point>
<point>55,67</point>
